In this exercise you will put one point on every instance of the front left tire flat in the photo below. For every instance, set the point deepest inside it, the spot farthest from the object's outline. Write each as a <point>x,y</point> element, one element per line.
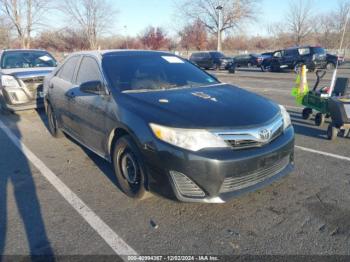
<point>129,169</point>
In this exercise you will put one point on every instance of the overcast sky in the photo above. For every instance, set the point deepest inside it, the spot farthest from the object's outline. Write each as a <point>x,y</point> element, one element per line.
<point>135,15</point>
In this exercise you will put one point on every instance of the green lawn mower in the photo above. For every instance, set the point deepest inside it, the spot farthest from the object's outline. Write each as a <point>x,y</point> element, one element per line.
<point>318,99</point>
<point>339,109</point>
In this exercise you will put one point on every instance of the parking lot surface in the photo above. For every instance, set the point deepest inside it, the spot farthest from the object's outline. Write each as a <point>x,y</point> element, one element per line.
<point>58,198</point>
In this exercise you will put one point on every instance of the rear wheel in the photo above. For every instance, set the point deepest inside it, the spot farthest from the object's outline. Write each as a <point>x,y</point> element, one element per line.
<point>330,66</point>
<point>52,123</point>
<point>129,168</point>
<point>319,119</point>
<point>216,67</point>
<point>307,112</point>
<point>332,132</point>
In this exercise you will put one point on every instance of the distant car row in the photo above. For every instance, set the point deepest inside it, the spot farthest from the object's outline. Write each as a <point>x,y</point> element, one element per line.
<point>291,58</point>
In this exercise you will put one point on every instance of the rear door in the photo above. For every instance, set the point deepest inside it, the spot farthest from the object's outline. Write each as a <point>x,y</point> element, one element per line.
<point>206,60</point>
<point>289,57</point>
<point>89,110</point>
<point>59,88</point>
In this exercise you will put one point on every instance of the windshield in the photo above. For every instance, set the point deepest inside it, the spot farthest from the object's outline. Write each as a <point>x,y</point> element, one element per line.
<point>27,59</point>
<point>143,72</point>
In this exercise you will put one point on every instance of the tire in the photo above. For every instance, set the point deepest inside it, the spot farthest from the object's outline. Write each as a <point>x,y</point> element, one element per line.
<point>52,123</point>
<point>216,67</point>
<point>343,133</point>
<point>129,168</point>
<point>307,112</point>
<point>263,68</point>
<point>332,132</point>
<point>319,119</point>
<point>330,66</point>
<point>232,70</point>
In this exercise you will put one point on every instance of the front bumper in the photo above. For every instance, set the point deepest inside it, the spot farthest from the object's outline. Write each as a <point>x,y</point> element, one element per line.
<point>18,99</point>
<point>211,170</point>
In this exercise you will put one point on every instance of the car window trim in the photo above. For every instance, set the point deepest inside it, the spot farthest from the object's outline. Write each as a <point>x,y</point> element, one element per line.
<point>101,75</point>
<point>57,74</point>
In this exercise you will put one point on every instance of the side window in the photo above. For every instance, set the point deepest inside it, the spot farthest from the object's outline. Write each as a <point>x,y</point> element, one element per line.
<point>277,54</point>
<point>304,51</point>
<point>67,71</point>
<point>88,71</point>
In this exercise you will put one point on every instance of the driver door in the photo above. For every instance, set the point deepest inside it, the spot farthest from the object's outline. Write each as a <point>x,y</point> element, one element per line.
<point>89,109</point>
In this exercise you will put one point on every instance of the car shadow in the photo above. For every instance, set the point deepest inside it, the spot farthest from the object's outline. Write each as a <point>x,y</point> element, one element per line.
<point>16,170</point>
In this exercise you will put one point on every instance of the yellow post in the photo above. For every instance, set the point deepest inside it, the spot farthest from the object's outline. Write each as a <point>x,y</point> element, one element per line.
<point>302,87</point>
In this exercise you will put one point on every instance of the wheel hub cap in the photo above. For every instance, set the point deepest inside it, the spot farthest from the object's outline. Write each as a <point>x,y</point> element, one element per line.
<point>129,168</point>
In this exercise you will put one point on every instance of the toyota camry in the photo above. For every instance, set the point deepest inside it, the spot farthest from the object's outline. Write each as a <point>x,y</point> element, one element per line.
<point>168,127</point>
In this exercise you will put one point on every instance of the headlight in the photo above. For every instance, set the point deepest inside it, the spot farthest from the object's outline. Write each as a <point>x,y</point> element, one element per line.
<point>9,81</point>
<point>286,117</point>
<point>190,139</point>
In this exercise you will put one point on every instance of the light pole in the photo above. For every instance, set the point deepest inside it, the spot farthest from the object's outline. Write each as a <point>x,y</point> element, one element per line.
<point>219,8</point>
<point>126,37</point>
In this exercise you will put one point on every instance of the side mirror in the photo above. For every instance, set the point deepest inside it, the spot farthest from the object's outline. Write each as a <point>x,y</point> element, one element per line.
<point>92,87</point>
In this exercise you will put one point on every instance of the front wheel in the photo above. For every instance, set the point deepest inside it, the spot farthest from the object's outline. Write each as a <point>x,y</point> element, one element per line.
<point>263,68</point>
<point>129,168</point>
<point>319,119</point>
<point>52,123</point>
<point>332,132</point>
<point>307,112</point>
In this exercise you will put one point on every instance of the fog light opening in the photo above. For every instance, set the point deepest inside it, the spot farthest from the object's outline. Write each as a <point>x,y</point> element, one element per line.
<point>185,186</point>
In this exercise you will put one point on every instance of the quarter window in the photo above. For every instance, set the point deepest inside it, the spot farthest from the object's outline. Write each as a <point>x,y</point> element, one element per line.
<point>88,71</point>
<point>304,51</point>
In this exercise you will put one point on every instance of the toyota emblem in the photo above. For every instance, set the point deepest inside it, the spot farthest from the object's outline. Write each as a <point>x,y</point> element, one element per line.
<point>265,134</point>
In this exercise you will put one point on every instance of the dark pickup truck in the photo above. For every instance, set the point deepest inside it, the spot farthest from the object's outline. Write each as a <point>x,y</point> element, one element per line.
<point>294,58</point>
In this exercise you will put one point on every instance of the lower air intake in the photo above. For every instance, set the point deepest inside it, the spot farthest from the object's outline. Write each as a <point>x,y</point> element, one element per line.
<point>185,186</point>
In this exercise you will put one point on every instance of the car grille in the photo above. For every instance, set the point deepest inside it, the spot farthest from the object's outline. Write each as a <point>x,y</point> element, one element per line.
<point>34,85</point>
<point>241,139</point>
<point>236,183</point>
<point>239,144</point>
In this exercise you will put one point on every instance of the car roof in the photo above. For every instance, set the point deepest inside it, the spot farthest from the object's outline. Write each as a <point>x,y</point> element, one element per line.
<point>114,52</point>
<point>24,50</point>
<point>298,47</point>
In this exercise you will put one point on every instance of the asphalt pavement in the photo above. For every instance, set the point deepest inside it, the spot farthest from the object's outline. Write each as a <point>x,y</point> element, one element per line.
<point>57,198</point>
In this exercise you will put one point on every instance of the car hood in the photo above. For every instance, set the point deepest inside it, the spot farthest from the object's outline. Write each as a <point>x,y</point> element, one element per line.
<point>215,106</point>
<point>27,72</point>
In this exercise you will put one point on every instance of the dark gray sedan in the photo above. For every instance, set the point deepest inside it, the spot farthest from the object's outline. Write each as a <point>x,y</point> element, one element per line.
<point>168,127</point>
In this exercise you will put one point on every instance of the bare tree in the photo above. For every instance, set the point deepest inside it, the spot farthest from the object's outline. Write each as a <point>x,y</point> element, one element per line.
<point>300,20</point>
<point>92,16</point>
<point>24,16</point>
<point>233,13</point>
<point>194,35</point>
<point>154,38</point>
